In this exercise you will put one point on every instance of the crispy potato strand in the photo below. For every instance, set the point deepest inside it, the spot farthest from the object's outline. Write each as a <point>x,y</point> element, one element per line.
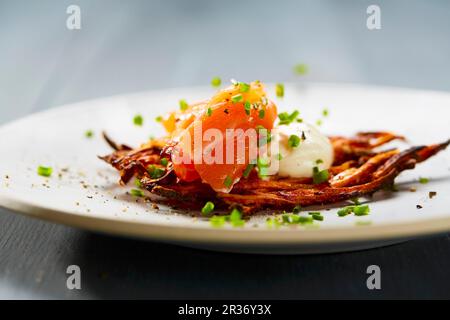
<point>358,170</point>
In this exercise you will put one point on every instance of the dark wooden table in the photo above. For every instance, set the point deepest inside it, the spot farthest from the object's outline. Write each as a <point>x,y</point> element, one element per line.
<point>154,44</point>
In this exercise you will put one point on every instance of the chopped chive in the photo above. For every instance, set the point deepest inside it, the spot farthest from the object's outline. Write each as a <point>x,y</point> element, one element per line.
<point>319,161</point>
<point>208,208</point>
<point>358,210</point>
<point>286,218</point>
<point>138,120</point>
<point>209,112</point>
<point>44,171</point>
<point>301,69</point>
<point>345,211</point>
<point>228,182</point>
<point>320,176</point>
<point>279,157</point>
<point>236,218</point>
<point>158,119</point>
<point>247,107</point>
<point>244,87</point>
<point>217,221</point>
<point>297,209</point>
<point>137,193</point>
<point>319,123</point>
<point>304,220</point>
<point>293,141</point>
<point>137,183</point>
<point>361,210</point>
<point>164,162</point>
<point>262,113</point>
<point>313,212</point>
<point>183,105</point>
<point>286,118</point>
<point>355,201</point>
<point>280,90</point>
<point>155,172</point>
<point>317,217</point>
<point>235,214</point>
<point>248,170</point>
<point>216,82</point>
<point>236,98</point>
<point>325,112</point>
<point>424,180</point>
<point>89,134</point>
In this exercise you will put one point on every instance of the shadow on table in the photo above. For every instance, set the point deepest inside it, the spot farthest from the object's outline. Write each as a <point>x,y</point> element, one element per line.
<point>122,268</point>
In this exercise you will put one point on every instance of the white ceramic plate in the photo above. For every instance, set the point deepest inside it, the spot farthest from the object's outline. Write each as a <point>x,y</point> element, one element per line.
<point>83,191</point>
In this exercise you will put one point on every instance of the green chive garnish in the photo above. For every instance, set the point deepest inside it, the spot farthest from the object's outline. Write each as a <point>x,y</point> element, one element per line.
<point>297,209</point>
<point>137,193</point>
<point>236,98</point>
<point>183,105</point>
<point>361,210</point>
<point>247,107</point>
<point>345,211</point>
<point>244,87</point>
<point>89,134</point>
<point>158,119</point>
<point>164,162</point>
<point>319,123</point>
<point>137,183</point>
<point>320,176</point>
<point>155,172</point>
<point>217,221</point>
<point>208,208</point>
<point>424,180</point>
<point>286,118</point>
<point>248,170</point>
<point>294,141</point>
<point>235,218</point>
<point>280,90</point>
<point>262,113</point>
<point>216,82</point>
<point>228,182</point>
<point>325,112</point>
<point>138,120</point>
<point>209,112</point>
<point>317,217</point>
<point>44,171</point>
<point>301,69</point>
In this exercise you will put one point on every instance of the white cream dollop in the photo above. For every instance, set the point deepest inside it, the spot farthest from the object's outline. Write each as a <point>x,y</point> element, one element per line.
<point>298,162</point>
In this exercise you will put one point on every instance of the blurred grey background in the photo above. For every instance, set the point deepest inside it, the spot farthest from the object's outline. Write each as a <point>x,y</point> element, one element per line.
<point>135,45</point>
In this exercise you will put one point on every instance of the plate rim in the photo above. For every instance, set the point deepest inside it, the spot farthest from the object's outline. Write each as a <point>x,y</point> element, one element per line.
<point>227,235</point>
<point>246,236</point>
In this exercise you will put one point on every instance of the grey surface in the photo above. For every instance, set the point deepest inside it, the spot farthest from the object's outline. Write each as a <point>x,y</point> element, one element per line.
<point>139,45</point>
